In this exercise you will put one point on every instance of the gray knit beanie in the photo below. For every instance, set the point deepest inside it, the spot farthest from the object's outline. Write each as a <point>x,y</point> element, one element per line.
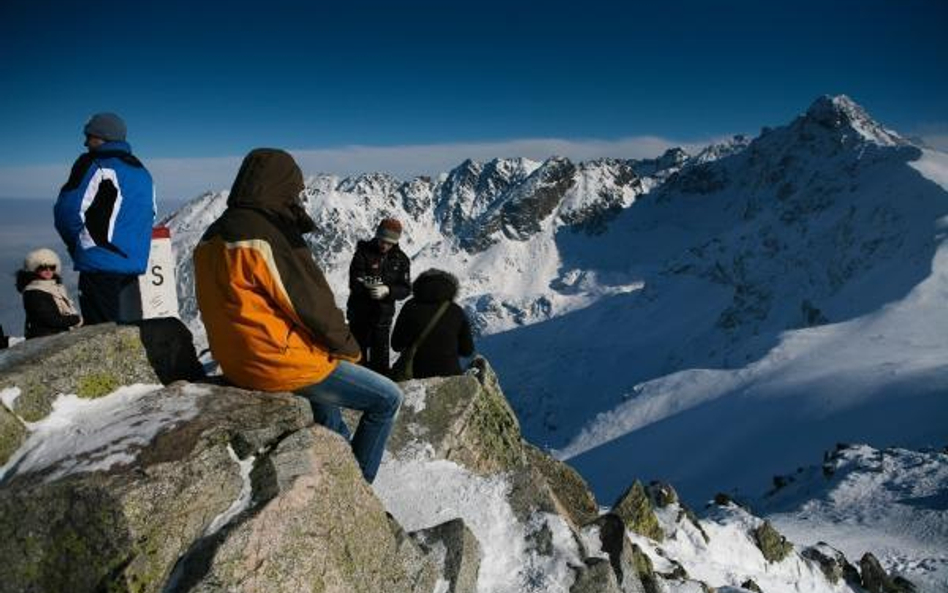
<point>107,126</point>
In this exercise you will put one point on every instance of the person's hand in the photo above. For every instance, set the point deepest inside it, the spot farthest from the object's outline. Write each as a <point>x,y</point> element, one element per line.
<point>378,292</point>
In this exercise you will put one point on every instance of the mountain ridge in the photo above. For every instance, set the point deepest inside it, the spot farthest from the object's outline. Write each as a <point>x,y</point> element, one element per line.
<point>690,272</point>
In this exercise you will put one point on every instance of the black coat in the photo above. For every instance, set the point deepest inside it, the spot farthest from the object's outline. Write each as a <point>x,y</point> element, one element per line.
<point>43,317</point>
<point>450,338</point>
<point>394,268</point>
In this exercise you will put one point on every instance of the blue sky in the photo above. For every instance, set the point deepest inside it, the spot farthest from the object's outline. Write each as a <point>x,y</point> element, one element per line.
<point>412,87</point>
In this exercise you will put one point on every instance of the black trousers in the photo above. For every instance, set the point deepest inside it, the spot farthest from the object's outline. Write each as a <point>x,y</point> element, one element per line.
<point>99,295</point>
<point>373,339</point>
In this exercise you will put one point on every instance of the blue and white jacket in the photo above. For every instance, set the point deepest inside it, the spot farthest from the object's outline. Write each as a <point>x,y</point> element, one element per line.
<point>105,211</point>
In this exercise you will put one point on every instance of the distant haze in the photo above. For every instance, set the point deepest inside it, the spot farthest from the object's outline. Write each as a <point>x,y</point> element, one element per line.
<point>186,178</point>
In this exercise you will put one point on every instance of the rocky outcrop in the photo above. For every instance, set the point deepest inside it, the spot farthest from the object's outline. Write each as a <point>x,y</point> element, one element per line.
<point>93,361</point>
<point>89,362</point>
<point>772,544</point>
<point>235,490</point>
<point>456,551</point>
<point>465,419</point>
<point>633,569</point>
<point>189,487</point>
<point>204,487</point>
<point>832,563</point>
<point>468,421</point>
<point>635,510</point>
<point>12,433</point>
<point>876,580</point>
<point>750,585</point>
<point>321,528</point>
<point>120,511</point>
<point>595,577</point>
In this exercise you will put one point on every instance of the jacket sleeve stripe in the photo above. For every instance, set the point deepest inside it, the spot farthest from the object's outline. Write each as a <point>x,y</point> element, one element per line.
<point>263,249</point>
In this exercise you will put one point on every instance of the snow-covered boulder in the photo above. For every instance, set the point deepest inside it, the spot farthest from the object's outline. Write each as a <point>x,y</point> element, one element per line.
<point>467,420</point>
<point>457,552</point>
<point>195,488</point>
<point>456,452</point>
<point>464,419</point>
<point>206,487</point>
<point>321,529</point>
<point>89,362</point>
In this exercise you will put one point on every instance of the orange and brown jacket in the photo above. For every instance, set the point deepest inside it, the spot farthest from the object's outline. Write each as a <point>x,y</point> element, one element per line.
<point>271,318</point>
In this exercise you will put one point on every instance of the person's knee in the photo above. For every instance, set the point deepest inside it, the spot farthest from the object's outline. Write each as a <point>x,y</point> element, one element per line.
<point>393,399</point>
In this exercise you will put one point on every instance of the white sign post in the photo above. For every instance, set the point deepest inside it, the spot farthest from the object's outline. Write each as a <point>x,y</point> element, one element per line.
<point>156,294</point>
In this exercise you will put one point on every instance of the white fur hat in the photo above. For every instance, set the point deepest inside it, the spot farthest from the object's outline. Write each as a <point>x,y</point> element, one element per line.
<point>41,257</point>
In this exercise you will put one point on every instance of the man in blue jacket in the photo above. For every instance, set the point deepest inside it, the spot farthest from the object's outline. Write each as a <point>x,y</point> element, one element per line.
<point>104,214</point>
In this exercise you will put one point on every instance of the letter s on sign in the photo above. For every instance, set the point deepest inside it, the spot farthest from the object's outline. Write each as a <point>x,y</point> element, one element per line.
<point>157,279</point>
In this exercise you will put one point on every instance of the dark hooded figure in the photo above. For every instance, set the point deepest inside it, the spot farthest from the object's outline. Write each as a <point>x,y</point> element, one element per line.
<point>451,336</point>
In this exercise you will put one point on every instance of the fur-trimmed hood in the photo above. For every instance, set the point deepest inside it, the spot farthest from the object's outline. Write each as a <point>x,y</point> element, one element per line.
<point>435,286</point>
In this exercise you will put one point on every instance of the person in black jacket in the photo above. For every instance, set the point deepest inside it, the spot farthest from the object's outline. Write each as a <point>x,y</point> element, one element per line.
<point>49,310</point>
<point>451,336</point>
<point>379,275</point>
<point>4,340</point>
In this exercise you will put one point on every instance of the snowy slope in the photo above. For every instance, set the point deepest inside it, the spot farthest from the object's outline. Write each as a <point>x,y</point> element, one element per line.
<point>891,502</point>
<point>792,297</point>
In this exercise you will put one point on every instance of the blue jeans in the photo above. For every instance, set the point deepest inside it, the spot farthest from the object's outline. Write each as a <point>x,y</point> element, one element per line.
<point>356,387</point>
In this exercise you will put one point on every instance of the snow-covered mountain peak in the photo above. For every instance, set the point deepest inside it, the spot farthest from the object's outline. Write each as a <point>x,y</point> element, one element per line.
<point>846,117</point>
<point>321,183</point>
<point>369,183</point>
<point>719,150</point>
<point>511,168</point>
<point>670,161</point>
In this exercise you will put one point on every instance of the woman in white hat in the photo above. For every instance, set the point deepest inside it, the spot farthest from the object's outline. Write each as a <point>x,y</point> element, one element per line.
<point>48,307</point>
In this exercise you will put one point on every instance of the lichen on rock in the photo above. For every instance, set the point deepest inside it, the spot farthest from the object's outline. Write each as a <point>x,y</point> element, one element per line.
<point>635,509</point>
<point>772,544</point>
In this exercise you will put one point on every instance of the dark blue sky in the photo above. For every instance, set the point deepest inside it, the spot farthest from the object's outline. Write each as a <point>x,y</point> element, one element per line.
<point>202,80</point>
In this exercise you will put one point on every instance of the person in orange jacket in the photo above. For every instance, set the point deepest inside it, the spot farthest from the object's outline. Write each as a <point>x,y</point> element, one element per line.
<point>271,317</point>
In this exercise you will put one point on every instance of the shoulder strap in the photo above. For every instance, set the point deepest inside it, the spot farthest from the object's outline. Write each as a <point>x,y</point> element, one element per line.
<point>431,324</point>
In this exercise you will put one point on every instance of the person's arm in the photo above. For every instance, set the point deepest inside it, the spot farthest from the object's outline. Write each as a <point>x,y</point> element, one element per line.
<point>66,212</point>
<point>314,304</point>
<point>358,268</point>
<point>41,308</point>
<point>465,337</point>
<point>401,287</point>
